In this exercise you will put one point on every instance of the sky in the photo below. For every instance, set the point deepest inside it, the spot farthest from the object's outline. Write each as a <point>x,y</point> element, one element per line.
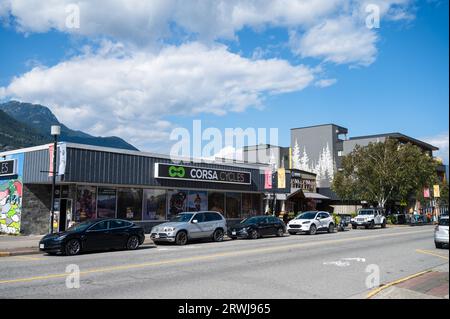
<point>140,69</point>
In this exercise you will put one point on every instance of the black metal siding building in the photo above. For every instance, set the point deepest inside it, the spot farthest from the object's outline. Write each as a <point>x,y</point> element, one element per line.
<point>91,173</point>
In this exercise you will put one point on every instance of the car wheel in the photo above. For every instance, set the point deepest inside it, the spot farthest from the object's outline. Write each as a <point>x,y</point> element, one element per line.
<point>331,228</point>
<point>383,225</point>
<point>280,232</point>
<point>372,225</point>
<point>354,227</point>
<point>312,229</point>
<point>73,247</point>
<point>254,234</point>
<point>218,235</point>
<point>132,243</point>
<point>438,245</point>
<point>181,238</point>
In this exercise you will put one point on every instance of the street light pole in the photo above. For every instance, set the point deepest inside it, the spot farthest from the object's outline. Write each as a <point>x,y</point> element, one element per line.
<point>55,131</point>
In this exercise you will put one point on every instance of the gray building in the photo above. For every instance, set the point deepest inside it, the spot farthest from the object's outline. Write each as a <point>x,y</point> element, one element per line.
<point>95,182</point>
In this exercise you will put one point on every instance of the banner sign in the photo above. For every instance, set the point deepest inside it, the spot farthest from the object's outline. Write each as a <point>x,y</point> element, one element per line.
<point>281,178</point>
<point>8,167</point>
<point>436,191</point>
<point>426,193</point>
<point>201,174</point>
<point>268,179</point>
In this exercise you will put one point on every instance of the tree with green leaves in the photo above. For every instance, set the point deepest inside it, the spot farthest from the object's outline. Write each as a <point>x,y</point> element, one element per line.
<point>384,171</point>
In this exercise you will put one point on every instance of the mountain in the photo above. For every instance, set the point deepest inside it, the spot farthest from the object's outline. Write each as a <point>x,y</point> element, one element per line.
<point>39,118</point>
<point>14,134</point>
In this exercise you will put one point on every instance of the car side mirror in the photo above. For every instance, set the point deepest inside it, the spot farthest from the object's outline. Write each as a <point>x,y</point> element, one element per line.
<point>194,221</point>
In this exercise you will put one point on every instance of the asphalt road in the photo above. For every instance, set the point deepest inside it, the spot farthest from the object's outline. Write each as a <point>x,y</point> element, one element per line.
<point>323,266</point>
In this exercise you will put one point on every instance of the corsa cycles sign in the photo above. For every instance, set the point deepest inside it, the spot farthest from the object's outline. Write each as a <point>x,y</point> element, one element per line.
<point>201,174</point>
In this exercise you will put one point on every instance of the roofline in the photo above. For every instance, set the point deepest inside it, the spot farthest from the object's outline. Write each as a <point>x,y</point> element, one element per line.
<point>319,125</point>
<point>137,153</point>
<point>397,135</point>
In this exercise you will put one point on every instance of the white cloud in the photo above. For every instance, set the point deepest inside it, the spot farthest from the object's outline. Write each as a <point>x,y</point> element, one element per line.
<point>323,83</point>
<point>441,141</point>
<point>136,94</point>
<point>339,40</point>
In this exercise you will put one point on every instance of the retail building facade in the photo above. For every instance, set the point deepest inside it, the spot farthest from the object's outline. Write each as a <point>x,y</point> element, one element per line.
<point>147,188</point>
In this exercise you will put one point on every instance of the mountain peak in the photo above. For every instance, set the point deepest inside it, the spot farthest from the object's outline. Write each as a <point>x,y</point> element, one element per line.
<point>39,118</point>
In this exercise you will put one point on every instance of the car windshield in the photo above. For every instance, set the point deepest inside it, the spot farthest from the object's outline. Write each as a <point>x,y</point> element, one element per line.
<point>366,212</point>
<point>250,220</point>
<point>81,226</point>
<point>307,215</point>
<point>182,218</point>
<point>443,222</point>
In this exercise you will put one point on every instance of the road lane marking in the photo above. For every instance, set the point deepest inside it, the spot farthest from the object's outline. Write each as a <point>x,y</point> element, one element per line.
<point>427,252</point>
<point>29,258</point>
<point>392,283</point>
<point>210,257</point>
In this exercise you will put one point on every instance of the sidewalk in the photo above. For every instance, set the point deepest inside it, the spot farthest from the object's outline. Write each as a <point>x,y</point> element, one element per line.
<point>429,285</point>
<point>18,245</point>
<point>28,245</point>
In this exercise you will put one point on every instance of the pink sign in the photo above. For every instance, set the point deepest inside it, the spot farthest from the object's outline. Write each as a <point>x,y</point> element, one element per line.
<point>268,179</point>
<point>426,193</point>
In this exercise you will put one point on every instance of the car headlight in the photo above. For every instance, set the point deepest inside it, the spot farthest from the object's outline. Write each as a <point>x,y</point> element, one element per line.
<point>169,229</point>
<point>308,222</point>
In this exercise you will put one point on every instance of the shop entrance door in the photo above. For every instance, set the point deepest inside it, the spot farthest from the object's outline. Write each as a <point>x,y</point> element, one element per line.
<point>65,217</point>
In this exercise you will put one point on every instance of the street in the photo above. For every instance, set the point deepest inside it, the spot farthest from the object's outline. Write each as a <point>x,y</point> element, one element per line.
<point>326,265</point>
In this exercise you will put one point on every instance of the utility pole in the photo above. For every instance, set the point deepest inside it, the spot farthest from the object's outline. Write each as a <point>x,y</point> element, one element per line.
<point>55,131</point>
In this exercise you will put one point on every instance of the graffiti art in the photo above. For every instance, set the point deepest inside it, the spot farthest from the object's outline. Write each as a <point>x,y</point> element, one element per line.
<point>10,206</point>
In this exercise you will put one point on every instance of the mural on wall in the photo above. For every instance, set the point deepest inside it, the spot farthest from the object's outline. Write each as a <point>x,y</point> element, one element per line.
<point>11,192</point>
<point>324,167</point>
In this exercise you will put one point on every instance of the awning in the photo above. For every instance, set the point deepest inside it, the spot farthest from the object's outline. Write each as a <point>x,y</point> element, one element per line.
<point>315,195</point>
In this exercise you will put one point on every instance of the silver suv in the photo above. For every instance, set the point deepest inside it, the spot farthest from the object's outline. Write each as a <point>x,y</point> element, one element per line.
<point>190,225</point>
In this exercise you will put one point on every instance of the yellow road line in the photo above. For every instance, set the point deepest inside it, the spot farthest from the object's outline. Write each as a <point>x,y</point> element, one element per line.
<point>211,256</point>
<point>28,258</point>
<point>379,289</point>
<point>422,251</point>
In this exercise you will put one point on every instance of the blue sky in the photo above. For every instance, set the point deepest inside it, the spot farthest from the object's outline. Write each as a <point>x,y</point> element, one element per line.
<point>403,87</point>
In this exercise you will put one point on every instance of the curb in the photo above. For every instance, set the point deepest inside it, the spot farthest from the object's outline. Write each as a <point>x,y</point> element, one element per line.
<point>393,283</point>
<point>19,253</point>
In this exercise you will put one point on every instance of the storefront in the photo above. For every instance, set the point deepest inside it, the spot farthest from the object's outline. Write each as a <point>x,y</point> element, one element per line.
<point>94,182</point>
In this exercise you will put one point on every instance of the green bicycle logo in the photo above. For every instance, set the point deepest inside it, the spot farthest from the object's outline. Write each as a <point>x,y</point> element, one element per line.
<point>176,171</point>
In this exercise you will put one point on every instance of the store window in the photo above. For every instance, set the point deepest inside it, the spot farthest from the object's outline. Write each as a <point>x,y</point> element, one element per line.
<point>129,203</point>
<point>251,205</point>
<point>106,203</point>
<point>155,201</point>
<point>197,201</point>
<point>86,202</point>
<point>216,202</point>
<point>233,205</point>
<point>177,202</point>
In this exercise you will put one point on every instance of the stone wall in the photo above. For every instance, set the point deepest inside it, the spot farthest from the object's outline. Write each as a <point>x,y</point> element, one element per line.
<point>36,209</point>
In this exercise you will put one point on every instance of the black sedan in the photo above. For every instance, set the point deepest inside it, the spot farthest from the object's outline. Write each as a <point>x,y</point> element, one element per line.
<point>257,226</point>
<point>94,235</point>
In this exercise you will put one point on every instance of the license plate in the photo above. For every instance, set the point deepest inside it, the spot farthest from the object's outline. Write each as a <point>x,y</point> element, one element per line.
<point>233,233</point>
<point>157,236</point>
<point>41,246</point>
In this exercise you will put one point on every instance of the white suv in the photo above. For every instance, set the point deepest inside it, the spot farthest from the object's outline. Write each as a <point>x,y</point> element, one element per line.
<point>369,218</point>
<point>311,222</point>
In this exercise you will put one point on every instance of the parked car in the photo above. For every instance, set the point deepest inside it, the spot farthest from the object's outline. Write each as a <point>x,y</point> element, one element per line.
<point>311,222</point>
<point>257,226</point>
<point>190,225</point>
<point>441,232</point>
<point>93,235</point>
<point>369,218</point>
